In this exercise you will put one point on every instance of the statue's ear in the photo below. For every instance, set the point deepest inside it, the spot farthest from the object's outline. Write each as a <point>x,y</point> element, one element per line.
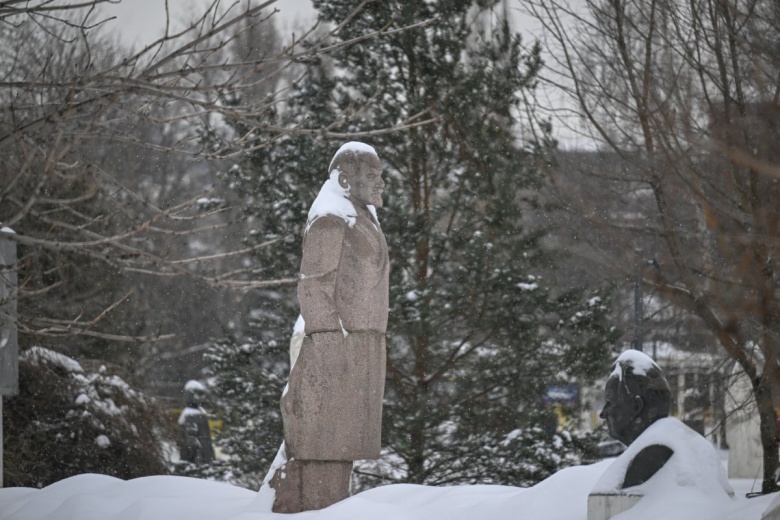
<point>343,180</point>
<point>637,405</point>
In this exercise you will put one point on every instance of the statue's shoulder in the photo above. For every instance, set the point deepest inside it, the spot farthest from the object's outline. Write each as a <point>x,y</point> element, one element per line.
<point>646,463</point>
<point>326,224</point>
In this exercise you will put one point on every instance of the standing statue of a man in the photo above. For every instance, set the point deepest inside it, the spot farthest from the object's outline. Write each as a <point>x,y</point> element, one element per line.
<point>332,408</point>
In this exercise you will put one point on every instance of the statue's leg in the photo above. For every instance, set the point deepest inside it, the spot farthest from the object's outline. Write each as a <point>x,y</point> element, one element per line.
<point>333,407</point>
<point>304,485</point>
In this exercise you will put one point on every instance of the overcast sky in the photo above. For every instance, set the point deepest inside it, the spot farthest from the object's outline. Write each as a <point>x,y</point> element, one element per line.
<point>139,22</point>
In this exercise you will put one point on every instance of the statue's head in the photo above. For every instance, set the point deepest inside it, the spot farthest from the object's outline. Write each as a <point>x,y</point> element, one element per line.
<point>194,394</point>
<point>360,172</point>
<point>636,395</point>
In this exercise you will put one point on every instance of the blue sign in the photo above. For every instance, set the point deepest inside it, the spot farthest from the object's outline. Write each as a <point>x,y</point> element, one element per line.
<point>564,394</point>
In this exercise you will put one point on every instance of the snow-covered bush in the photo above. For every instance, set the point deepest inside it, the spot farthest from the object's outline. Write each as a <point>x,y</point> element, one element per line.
<point>67,420</point>
<point>524,457</point>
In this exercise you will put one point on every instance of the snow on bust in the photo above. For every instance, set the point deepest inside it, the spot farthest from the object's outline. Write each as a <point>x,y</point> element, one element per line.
<point>639,362</point>
<point>333,199</point>
<point>694,465</point>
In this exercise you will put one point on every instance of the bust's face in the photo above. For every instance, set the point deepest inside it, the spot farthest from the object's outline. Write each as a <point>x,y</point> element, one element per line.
<point>621,411</point>
<point>366,184</point>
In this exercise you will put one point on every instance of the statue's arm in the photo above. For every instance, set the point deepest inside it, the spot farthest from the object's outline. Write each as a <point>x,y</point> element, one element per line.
<point>317,286</point>
<point>646,464</point>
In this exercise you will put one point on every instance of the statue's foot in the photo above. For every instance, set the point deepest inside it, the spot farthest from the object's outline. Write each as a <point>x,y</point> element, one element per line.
<point>304,485</point>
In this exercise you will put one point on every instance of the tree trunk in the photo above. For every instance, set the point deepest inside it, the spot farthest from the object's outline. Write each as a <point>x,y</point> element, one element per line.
<point>762,389</point>
<point>416,462</point>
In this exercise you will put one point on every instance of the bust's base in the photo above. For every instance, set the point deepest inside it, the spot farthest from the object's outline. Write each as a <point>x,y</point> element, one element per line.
<point>604,507</point>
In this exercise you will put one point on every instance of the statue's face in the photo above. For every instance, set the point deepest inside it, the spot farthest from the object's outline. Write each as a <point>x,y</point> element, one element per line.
<point>622,412</point>
<point>366,184</point>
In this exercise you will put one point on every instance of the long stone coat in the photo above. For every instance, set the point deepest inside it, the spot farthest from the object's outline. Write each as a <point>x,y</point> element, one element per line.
<point>333,407</point>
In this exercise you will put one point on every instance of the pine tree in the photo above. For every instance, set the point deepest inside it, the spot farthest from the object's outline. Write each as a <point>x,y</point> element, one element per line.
<point>476,333</point>
<point>245,380</point>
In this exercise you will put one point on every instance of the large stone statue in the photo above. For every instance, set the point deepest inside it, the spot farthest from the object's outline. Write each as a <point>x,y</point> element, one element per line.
<point>663,454</point>
<point>332,408</point>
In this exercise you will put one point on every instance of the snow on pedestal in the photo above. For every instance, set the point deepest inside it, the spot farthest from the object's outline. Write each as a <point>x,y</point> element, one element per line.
<point>693,469</point>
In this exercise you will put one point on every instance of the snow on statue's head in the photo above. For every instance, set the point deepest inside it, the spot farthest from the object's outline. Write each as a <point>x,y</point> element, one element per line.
<point>636,395</point>
<point>359,172</point>
<point>194,394</point>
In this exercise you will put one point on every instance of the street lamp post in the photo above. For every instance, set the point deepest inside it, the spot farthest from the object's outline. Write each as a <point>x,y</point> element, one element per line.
<point>638,300</point>
<point>9,353</point>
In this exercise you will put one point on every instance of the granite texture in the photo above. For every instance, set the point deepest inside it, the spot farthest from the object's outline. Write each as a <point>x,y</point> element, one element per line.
<point>332,409</point>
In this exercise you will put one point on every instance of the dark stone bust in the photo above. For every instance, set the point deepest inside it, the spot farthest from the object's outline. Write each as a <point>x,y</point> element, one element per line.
<point>636,395</point>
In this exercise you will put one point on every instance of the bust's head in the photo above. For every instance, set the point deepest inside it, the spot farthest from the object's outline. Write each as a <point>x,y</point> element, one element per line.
<point>636,395</point>
<point>360,172</point>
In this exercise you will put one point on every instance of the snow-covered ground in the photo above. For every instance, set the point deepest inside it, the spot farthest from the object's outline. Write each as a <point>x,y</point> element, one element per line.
<point>561,497</point>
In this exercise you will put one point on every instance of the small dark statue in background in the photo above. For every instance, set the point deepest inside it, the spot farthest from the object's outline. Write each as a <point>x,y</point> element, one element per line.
<point>195,443</point>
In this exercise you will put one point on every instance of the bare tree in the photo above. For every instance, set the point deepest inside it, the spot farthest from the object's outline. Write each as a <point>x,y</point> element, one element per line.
<point>686,95</point>
<point>67,99</point>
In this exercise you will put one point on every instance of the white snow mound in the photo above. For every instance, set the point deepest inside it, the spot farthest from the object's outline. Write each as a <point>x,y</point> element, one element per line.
<point>563,496</point>
<point>693,467</point>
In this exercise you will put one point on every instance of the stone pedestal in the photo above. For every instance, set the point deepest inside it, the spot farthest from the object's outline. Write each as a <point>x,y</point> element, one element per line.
<point>305,485</point>
<point>604,507</point>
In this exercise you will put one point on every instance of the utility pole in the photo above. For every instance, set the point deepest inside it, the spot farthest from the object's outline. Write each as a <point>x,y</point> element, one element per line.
<point>638,310</point>
<point>9,350</point>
